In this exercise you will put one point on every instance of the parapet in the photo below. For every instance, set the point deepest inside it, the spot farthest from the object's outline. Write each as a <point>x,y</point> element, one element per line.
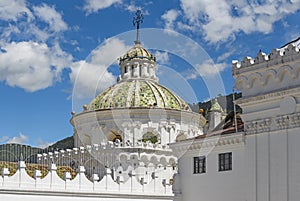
<point>263,74</point>
<point>277,56</point>
<point>134,186</point>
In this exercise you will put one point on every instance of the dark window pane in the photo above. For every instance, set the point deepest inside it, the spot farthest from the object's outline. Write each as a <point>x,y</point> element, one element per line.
<point>225,161</point>
<point>199,165</point>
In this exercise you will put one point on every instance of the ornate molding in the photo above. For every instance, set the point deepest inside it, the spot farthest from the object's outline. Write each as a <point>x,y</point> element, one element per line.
<point>273,124</point>
<point>208,142</point>
<point>269,96</point>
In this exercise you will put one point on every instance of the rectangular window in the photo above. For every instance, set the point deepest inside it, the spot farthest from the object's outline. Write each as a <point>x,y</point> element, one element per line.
<point>199,164</point>
<point>225,161</point>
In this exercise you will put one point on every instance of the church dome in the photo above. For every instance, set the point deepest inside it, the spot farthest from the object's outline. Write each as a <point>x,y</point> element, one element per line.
<point>137,85</point>
<point>137,93</point>
<point>137,52</point>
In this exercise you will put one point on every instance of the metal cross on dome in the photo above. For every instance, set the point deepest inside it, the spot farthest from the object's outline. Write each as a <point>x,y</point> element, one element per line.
<point>137,20</point>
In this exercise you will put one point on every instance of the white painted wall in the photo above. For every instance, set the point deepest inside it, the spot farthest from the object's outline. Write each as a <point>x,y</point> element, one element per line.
<point>213,185</point>
<point>274,172</point>
<point>52,196</point>
<point>266,168</point>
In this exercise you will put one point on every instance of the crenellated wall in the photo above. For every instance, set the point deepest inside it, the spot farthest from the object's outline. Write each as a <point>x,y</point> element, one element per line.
<point>267,73</point>
<point>270,86</point>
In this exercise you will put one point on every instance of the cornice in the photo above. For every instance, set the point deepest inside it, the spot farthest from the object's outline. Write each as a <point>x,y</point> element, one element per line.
<point>280,122</point>
<point>208,142</point>
<point>268,97</point>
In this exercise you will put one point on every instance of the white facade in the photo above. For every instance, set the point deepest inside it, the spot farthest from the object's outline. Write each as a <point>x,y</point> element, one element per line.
<point>265,158</point>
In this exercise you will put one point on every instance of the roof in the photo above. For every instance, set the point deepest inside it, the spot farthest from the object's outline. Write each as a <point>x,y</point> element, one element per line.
<point>137,52</point>
<point>138,93</point>
<point>216,106</point>
<point>295,42</point>
<point>227,126</point>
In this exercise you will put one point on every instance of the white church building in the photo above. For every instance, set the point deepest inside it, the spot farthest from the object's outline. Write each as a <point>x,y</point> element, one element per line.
<point>259,161</point>
<point>138,140</point>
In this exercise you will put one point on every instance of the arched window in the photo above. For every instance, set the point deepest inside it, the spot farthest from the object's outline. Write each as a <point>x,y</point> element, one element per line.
<point>151,137</point>
<point>113,135</point>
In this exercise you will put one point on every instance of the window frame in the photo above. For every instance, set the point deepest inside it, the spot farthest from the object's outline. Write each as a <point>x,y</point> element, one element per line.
<point>199,165</point>
<point>225,161</point>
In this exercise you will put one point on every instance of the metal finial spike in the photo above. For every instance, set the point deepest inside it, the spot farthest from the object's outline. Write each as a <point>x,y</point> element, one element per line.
<point>137,20</point>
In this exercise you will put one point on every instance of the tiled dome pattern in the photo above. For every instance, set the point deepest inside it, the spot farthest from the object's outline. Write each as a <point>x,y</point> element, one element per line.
<point>137,52</point>
<point>137,93</point>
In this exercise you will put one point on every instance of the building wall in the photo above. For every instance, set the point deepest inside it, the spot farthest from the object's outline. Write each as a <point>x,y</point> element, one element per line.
<point>214,185</point>
<point>274,165</point>
<point>265,168</point>
<point>50,196</point>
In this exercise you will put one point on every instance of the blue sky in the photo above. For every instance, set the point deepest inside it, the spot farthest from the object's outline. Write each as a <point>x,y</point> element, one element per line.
<point>48,47</point>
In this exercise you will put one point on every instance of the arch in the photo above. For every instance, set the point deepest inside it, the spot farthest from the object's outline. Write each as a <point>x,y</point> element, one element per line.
<point>240,82</point>
<point>282,70</point>
<point>123,157</point>
<point>150,136</point>
<point>134,156</point>
<point>163,161</point>
<point>113,135</point>
<point>180,137</point>
<point>172,161</point>
<point>255,76</point>
<point>154,159</point>
<point>267,75</point>
<point>296,70</point>
<point>145,158</point>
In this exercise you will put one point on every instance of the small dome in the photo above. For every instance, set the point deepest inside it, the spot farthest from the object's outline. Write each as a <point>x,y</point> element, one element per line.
<point>137,52</point>
<point>216,106</point>
<point>137,93</point>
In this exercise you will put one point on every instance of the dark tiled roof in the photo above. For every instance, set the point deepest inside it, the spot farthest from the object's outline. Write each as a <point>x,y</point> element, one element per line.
<point>227,126</point>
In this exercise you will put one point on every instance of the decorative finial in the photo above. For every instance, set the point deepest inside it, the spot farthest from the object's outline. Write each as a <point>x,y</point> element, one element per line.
<point>137,20</point>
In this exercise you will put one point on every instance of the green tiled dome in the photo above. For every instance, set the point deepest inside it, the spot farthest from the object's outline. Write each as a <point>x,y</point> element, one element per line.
<point>137,93</point>
<point>138,52</point>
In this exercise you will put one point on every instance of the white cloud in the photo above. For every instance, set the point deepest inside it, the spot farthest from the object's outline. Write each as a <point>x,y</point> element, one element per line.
<point>225,55</point>
<point>31,63</point>
<point>162,57</point>
<point>132,8</point>
<point>51,16</point>
<point>221,21</point>
<point>27,21</point>
<point>3,138</point>
<point>21,139</point>
<point>14,9</point>
<point>34,65</point>
<point>90,77</point>
<point>169,17</point>
<point>92,6</point>
<point>206,69</point>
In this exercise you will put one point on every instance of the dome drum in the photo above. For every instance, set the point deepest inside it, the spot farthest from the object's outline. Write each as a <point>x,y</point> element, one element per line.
<point>133,125</point>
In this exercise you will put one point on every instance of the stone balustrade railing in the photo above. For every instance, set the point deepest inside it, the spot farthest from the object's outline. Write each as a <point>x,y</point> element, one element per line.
<point>52,182</point>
